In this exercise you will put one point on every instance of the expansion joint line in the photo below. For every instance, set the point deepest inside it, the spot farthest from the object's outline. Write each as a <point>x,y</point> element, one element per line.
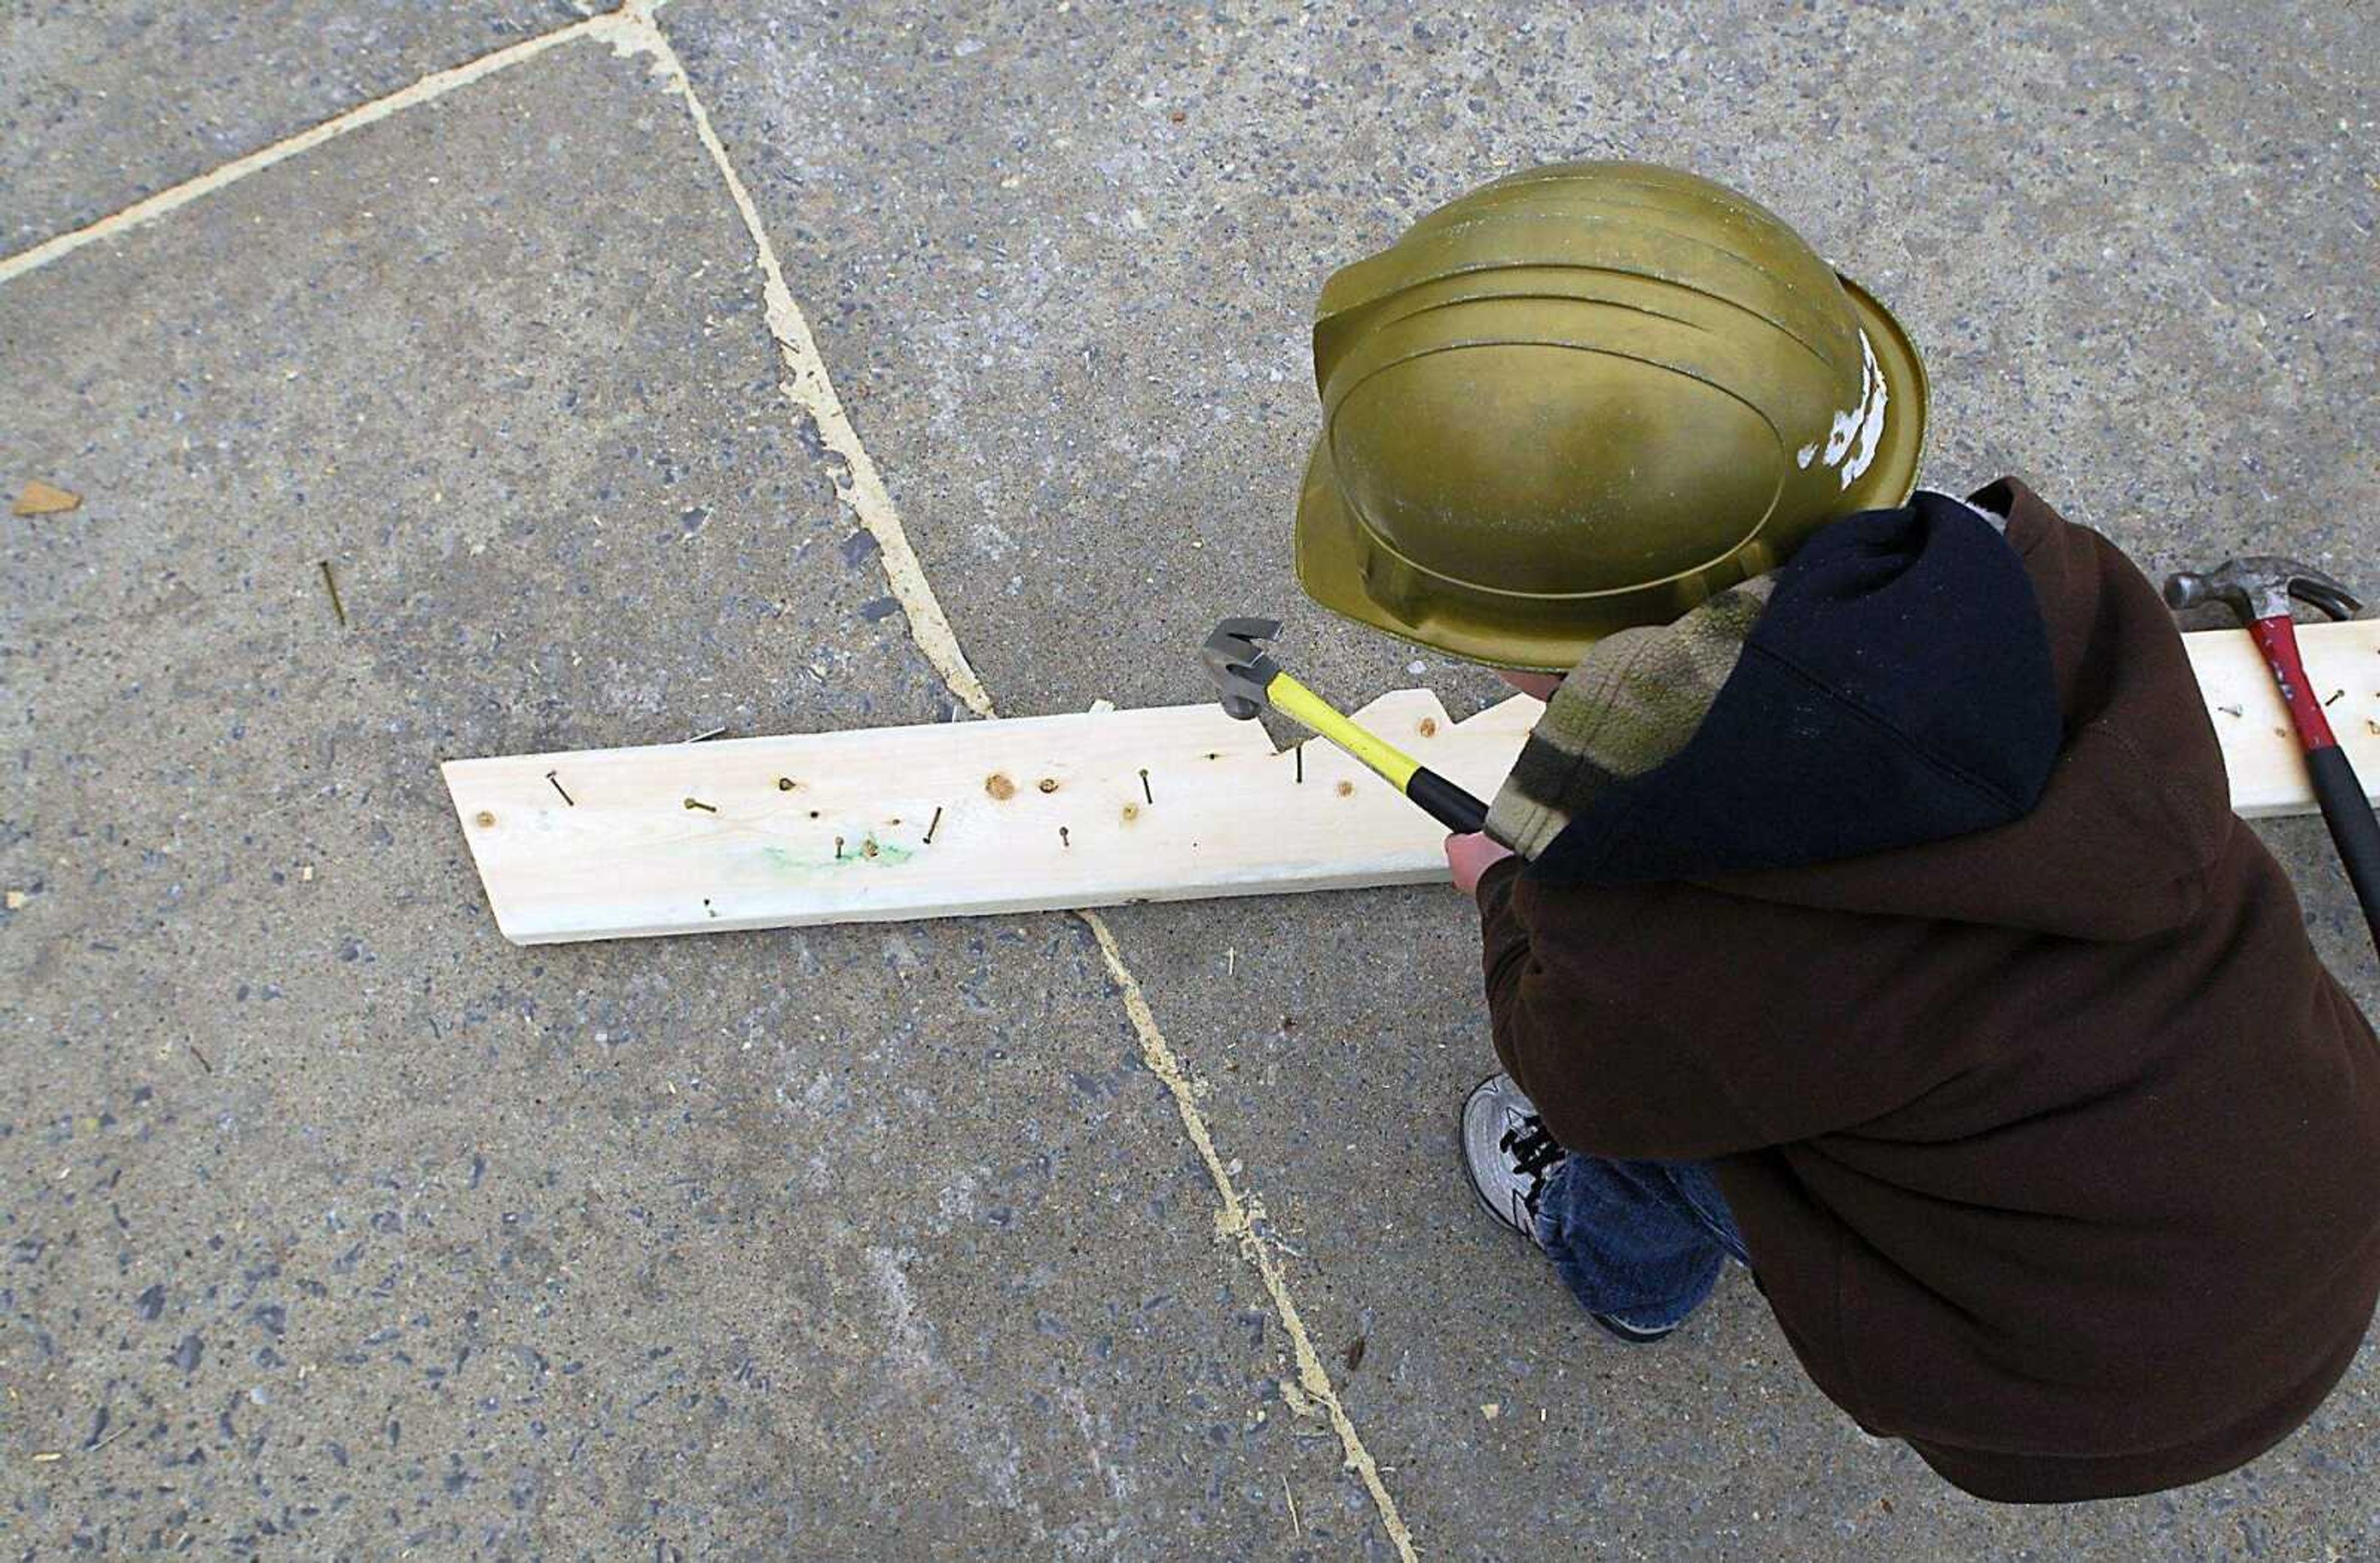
<point>436,85</point>
<point>863,490</point>
<point>813,393</point>
<point>634,30</point>
<point>1236,1219</point>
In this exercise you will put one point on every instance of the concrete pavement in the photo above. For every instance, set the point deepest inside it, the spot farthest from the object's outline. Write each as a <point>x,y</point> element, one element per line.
<point>337,1227</point>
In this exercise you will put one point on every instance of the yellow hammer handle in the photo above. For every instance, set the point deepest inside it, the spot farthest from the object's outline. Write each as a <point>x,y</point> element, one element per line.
<point>1300,704</point>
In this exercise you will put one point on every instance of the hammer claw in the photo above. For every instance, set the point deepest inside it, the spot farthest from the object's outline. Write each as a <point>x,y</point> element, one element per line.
<point>1245,629</point>
<point>2324,591</point>
<point>2260,587</point>
<point>1235,659</point>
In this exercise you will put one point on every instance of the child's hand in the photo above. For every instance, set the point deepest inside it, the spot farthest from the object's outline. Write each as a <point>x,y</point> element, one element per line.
<point>1470,857</point>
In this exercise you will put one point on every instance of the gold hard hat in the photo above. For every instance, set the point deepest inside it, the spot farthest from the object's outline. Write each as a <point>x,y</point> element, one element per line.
<point>1587,398</point>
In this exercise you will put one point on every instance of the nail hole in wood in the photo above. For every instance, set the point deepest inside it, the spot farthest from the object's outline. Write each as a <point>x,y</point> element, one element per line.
<point>483,819</point>
<point>784,784</point>
<point>1000,786</point>
<point>1049,783</point>
<point>1346,789</point>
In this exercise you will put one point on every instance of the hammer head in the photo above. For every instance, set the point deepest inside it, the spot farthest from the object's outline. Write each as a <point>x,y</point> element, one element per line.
<point>2260,587</point>
<point>1237,661</point>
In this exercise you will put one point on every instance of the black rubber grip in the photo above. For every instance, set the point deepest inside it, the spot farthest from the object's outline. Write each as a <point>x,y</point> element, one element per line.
<point>2348,813</point>
<point>1450,805</point>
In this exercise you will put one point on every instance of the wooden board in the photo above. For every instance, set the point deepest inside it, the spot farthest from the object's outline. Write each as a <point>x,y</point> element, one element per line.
<point>1043,813</point>
<point>2260,749</point>
<point>1030,813</point>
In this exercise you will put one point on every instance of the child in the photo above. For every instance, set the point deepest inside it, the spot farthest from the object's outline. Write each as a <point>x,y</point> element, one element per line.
<point>1879,921</point>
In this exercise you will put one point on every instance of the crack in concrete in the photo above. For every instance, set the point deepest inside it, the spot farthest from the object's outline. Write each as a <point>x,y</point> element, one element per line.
<point>812,391</point>
<point>633,30</point>
<point>1236,1220</point>
<point>437,84</point>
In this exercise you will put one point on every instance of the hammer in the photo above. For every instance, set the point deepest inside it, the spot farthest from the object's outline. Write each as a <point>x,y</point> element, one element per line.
<point>1249,680</point>
<point>2259,589</point>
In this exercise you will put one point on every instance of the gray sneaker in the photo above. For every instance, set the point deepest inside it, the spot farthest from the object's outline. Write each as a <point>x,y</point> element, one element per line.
<point>1507,1152</point>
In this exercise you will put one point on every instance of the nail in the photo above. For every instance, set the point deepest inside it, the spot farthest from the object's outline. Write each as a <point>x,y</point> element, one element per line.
<point>700,737</point>
<point>1143,785</point>
<point>698,803</point>
<point>1300,753</point>
<point>935,825</point>
<point>558,787</point>
<point>1061,837</point>
<point>336,606</point>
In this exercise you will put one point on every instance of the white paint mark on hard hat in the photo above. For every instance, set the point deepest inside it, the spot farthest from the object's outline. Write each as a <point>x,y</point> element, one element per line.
<point>1852,441</point>
<point>1872,424</point>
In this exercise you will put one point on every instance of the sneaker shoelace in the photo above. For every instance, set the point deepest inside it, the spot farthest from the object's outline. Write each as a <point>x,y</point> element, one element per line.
<point>1533,1154</point>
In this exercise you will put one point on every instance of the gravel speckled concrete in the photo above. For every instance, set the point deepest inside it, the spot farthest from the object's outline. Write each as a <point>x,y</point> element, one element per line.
<point>1339,1045</point>
<point>335,1226</point>
<point>103,103</point>
<point>1064,268</point>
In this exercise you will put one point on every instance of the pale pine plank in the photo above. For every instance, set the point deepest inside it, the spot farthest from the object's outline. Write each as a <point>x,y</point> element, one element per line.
<point>2260,750</point>
<point>1221,813</point>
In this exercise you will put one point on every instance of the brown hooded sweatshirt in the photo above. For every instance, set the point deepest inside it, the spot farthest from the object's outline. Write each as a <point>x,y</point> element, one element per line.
<point>2056,1149</point>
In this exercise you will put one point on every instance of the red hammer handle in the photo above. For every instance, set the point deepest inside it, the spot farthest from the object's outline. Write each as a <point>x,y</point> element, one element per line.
<point>2277,638</point>
<point>2337,788</point>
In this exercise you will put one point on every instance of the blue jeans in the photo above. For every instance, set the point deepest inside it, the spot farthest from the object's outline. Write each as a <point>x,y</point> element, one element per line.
<point>1639,1240</point>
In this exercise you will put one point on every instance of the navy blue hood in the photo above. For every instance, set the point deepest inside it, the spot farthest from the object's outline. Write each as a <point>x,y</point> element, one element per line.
<point>1897,690</point>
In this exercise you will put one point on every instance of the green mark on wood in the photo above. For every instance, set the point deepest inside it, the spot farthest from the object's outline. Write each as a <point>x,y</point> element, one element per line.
<point>871,853</point>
